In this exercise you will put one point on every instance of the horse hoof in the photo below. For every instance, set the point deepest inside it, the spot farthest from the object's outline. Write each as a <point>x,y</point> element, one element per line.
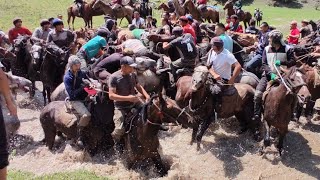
<point>266,142</point>
<point>198,147</point>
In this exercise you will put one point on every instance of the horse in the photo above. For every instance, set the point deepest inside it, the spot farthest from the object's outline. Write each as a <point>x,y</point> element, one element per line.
<point>124,12</point>
<point>52,69</point>
<point>244,16</point>
<point>179,9</point>
<point>201,91</point>
<point>279,104</point>
<point>96,136</point>
<point>258,17</point>
<point>165,8</point>
<point>87,13</point>
<point>143,9</point>
<point>210,14</point>
<point>141,140</point>
<point>6,58</point>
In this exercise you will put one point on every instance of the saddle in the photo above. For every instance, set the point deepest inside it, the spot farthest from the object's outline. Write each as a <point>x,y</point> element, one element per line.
<point>269,86</point>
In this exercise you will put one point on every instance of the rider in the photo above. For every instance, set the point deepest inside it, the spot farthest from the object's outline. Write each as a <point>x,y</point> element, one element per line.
<point>61,37</point>
<point>187,49</point>
<point>275,54</point>
<point>195,25</point>
<point>227,40</point>
<point>187,28</point>
<point>237,6</point>
<point>122,90</point>
<point>263,38</point>
<point>221,62</point>
<point>305,30</point>
<point>41,34</point>
<point>236,26</point>
<point>93,47</point>
<point>73,81</point>
<point>79,3</point>
<point>17,30</point>
<point>252,28</point>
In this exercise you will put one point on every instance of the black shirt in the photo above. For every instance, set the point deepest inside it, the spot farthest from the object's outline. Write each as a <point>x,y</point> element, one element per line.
<point>252,30</point>
<point>186,47</point>
<point>111,64</point>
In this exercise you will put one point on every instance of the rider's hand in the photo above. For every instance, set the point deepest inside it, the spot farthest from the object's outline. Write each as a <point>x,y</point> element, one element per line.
<point>12,109</point>
<point>273,76</point>
<point>133,98</point>
<point>277,63</point>
<point>231,81</point>
<point>217,77</point>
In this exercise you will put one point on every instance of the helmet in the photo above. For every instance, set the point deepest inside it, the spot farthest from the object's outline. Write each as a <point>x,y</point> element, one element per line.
<point>57,22</point>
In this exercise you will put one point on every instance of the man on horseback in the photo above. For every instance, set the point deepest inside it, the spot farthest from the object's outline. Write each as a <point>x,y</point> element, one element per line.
<point>237,6</point>
<point>61,37</point>
<point>186,47</point>
<point>187,28</point>
<point>122,90</point>
<point>236,26</point>
<point>18,30</point>
<point>93,47</point>
<point>275,54</point>
<point>41,34</point>
<point>221,62</point>
<point>73,81</point>
<point>79,4</point>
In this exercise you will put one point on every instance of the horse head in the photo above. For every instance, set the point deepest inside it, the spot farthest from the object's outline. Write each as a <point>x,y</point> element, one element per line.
<point>295,80</point>
<point>58,54</point>
<point>228,5</point>
<point>199,77</point>
<point>36,53</point>
<point>20,43</point>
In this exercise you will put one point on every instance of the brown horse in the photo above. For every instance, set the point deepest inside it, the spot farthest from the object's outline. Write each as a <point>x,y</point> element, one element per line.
<point>141,139</point>
<point>244,16</point>
<point>194,92</point>
<point>211,15</point>
<point>123,12</point>
<point>179,9</point>
<point>87,13</point>
<point>279,104</point>
<point>165,8</point>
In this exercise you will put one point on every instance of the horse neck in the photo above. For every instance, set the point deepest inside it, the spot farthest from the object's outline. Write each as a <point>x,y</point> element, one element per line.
<point>198,97</point>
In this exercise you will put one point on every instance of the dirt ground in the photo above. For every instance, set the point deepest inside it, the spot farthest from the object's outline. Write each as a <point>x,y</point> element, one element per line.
<point>224,154</point>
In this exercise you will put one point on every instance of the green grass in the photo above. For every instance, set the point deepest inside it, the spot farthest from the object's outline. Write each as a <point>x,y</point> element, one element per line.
<point>32,11</point>
<point>75,175</point>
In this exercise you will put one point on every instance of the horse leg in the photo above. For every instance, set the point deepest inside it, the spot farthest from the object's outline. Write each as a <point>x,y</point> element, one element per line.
<point>203,128</point>
<point>33,89</point>
<point>73,18</point>
<point>44,94</point>
<point>159,165</point>
<point>49,94</point>
<point>49,135</point>
<point>282,134</point>
<point>309,109</point>
<point>266,140</point>
<point>194,133</point>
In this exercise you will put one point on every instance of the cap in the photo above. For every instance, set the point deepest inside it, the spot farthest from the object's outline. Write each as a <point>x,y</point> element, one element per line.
<point>189,17</point>
<point>73,60</point>
<point>103,32</point>
<point>127,52</point>
<point>15,20</point>
<point>127,60</point>
<point>277,35</point>
<point>217,41</point>
<point>149,16</point>
<point>305,21</point>
<point>136,12</point>
<point>177,30</point>
<point>183,18</point>
<point>264,24</point>
<point>57,21</point>
<point>44,22</point>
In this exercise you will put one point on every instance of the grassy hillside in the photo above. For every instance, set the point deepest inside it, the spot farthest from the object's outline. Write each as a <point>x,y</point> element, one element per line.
<point>32,11</point>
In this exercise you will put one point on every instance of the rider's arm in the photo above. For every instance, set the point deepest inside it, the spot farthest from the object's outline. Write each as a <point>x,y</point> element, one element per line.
<point>49,38</point>
<point>290,59</point>
<point>36,36</point>
<point>236,71</point>
<point>5,91</point>
<point>115,97</point>
<point>167,45</point>
<point>265,65</point>
<point>73,93</point>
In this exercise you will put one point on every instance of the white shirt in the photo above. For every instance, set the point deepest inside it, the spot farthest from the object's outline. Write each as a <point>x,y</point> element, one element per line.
<point>222,63</point>
<point>138,22</point>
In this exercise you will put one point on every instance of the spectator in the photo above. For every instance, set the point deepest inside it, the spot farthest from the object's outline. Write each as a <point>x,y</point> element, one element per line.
<point>137,20</point>
<point>305,30</point>
<point>166,26</point>
<point>149,24</point>
<point>252,28</point>
<point>4,39</point>
<point>18,30</point>
<point>187,28</point>
<point>173,19</point>
<point>227,40</point>
<point>294,34</point>
<point>196,27</point>
<point>236,26</point>
<point>228,23</point>
<point>51,22</point>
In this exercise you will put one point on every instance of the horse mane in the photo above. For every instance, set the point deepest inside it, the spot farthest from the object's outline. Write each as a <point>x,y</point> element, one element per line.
<point>201,68</point>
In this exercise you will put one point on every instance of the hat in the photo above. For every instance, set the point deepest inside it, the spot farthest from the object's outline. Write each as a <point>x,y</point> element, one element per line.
<point>44,22</point>
<point>177,30</point>
<point>73,60</point>
<point>305,21</point>
<point>217,41</point>
<point>15,20</point>
<point>277,35</point>
<point>149,16</point>
<point>264,24</point>
<point>189,17</point>
<point>57,21</point>
<point>183,18</point>
<point>127,60</point>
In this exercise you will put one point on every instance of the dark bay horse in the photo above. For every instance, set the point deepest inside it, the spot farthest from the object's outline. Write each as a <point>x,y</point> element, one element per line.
<point>165,8</point>
<point>6,57</point>
<point>87,13</point>
<point>279,104</point>
<point>52,69</point>
<point>244,16</point>
<point>141,139</point>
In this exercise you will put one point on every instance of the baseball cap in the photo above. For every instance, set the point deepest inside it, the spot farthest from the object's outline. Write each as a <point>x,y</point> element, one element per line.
<point>264,24</point>
<point>217,41</point>
<point>127,60</point>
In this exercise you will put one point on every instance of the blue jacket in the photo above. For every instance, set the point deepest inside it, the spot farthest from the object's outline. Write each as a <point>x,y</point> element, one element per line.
<point>74,85</point>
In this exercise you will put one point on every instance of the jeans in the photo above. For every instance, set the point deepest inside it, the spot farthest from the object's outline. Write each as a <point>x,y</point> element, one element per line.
<point>255,62</point>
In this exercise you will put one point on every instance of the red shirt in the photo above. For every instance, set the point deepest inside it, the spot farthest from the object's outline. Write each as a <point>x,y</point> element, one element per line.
<point>202,2</point>
<point>14,33</point>
<point>294,32</point>
<point>227,26</point>
<point>238,30</point>
<point>188,29</point>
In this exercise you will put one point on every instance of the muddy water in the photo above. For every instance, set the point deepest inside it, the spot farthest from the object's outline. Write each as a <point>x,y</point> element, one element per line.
<point>224,154</point>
